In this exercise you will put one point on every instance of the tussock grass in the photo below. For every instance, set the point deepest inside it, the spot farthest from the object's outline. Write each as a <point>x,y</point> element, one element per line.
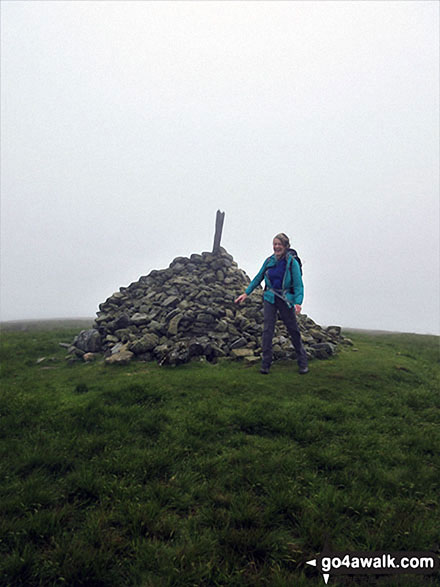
<point>212,474</point>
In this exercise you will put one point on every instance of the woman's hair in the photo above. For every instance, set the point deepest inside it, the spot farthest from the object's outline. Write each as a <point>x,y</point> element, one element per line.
<point>284,239</point>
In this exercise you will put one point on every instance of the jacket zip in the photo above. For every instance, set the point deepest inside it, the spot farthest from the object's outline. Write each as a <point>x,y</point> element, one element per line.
<point>281,296</point>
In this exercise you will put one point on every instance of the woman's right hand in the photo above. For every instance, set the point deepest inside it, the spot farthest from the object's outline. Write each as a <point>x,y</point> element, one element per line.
<point>241,298</point>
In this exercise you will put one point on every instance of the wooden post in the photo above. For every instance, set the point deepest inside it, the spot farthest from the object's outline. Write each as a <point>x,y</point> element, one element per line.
<point>218,231</point>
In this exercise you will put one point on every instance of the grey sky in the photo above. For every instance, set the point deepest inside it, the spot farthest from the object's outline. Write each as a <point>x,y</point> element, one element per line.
<point>126,125</point>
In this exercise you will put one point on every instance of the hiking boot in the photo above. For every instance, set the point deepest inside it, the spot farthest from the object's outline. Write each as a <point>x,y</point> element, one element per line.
<point>303,370</point>
<point>264,370</point>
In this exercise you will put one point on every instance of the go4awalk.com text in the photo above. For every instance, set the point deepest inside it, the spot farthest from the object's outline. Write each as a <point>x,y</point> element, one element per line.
<point>377,563</point>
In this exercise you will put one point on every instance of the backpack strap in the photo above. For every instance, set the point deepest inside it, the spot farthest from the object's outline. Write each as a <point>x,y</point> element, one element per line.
<point>293,254</point>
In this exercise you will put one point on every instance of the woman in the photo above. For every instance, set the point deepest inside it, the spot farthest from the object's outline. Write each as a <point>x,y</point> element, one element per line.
<point>283,293</point>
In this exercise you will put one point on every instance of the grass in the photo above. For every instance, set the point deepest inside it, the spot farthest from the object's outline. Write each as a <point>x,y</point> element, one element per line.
<point>213,474</point>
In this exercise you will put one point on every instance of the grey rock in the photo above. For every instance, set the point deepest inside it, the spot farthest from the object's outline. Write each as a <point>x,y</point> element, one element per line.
<point>121,322</point>
<point>323,350</point>
<point>197,259</point>
<point>173,326</point>
<point>195,348</point>
<point>240,353</point>
<point>170,315</point>
<point>123,334</point>
<point>178,355</point>
<point>118,347</point>
<point>318,335</point>
<point>121,358</point>
<point>205,317</point>
<point>238,343</point>
<point>145,344</point>
<point>251,360</point>
<point>103,318</point>
<point>138,319</point>
<point>161,351</point>
<point>155,327</point>
<point>178,267</point>
<point>336,330</point>
<point>170,301</point>
<point>222,326</point>
<point>88,341</point>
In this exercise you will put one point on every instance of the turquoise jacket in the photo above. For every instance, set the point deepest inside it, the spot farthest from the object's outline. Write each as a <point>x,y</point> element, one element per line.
<point>293,288</point>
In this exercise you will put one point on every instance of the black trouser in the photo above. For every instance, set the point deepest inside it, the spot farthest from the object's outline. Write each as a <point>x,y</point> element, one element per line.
<point>287,315</point>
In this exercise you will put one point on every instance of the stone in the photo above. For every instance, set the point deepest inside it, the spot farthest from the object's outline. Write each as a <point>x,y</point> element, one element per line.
<point>73,350</point>
<point>121,322</point>
<point>138,319</point>
<point>323,350</point>
<point>316,334</point>
<point>88,341</point>
<point>170,301</point>
<point>178,356</point>
<point>170,315</point>
<point>178,267</point>
<point>239,342</point>
<point>145,344</point>
<point>195,258</point>
<point>179,261</point>
<point>195,348</point>
<point>119,347</point>
<point>240,353</point>
<point>217,351</point>
<point>251,360</point>
<point>89,357</point>
<point>222,326</point>
<point>173,326</point>
<point>335,330</point>
<point>121,358</point>
<point>102,318</point>
<point>123,334</point>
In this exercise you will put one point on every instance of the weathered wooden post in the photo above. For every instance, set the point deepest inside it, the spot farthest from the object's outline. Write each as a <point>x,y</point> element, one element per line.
<point>218,231</point>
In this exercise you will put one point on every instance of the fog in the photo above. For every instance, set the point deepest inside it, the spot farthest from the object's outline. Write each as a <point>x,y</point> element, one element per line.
<point>126,125</point>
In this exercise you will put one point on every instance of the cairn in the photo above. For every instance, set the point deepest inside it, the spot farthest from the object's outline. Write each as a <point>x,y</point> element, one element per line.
<point>187,311</point>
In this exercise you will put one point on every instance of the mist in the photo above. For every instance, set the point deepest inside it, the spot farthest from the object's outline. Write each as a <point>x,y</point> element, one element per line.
<point>126,125</point>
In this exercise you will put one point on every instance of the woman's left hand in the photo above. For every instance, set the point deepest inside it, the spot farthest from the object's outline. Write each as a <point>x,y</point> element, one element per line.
<point>297,309</point>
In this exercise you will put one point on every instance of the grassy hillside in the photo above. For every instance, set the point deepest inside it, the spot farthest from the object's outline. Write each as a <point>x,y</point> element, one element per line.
<point>213,474</point>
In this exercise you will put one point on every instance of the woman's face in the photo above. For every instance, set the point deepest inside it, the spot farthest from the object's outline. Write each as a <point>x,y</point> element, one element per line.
<point>278,248</point>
